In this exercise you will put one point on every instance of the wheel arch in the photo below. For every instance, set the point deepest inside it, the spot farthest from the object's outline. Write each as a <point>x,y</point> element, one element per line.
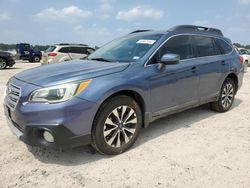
<point>5,60</point>
<point>234,77</point>
<point>132,94</point>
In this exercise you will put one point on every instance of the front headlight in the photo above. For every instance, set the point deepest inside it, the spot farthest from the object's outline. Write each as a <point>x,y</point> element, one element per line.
<point>58,93</point>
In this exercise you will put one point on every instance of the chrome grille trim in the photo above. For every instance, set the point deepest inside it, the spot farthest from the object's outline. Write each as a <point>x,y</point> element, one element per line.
<point>13,94</point>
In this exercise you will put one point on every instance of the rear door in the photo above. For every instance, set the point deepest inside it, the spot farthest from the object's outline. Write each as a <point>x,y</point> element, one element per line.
<point>77,52</point>
<point>212,65</point>
<point>63,54</point>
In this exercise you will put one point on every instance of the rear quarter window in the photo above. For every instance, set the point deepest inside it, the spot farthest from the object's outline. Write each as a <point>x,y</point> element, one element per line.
<point>223,45</point>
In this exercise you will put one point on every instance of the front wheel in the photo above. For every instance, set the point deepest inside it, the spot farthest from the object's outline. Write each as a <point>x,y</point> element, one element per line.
<point>226,98</point>
<point>36,59</point>
<point>117,125</point>
<point>3,63</point>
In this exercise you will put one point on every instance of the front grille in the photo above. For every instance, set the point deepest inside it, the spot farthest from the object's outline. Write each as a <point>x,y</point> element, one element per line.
<point>13,94</point>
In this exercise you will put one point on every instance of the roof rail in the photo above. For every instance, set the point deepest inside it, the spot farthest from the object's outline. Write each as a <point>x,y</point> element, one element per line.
<point>138,31</point>
<point>196,28</point>
<point>63,44</point>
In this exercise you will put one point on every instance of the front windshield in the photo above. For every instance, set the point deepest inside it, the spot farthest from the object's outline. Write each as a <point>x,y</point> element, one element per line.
<point>126,49</point>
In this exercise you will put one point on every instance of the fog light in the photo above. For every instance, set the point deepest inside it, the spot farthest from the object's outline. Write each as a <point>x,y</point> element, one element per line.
<point>48,136</point>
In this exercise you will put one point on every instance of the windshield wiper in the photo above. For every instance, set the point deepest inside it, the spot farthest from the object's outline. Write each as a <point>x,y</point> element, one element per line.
<point>100,59</point>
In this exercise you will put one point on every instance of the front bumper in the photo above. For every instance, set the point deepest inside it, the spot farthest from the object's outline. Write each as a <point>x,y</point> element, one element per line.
<point>32,134</point>
<point>69,122</point>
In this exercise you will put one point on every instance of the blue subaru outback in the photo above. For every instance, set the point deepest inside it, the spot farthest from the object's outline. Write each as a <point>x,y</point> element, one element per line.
<point>107,98</point>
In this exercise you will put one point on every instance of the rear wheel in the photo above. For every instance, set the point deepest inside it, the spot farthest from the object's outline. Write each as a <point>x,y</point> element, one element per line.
<point>117,125</point>
<point>3,63</point>
<point>36,59</point>
<point>226,98</point>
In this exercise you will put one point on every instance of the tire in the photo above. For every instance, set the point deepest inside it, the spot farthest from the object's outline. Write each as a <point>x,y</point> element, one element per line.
<point>226,98</point>
<point>36,59</point>
<point>116,125</point>
<point>3,63</point>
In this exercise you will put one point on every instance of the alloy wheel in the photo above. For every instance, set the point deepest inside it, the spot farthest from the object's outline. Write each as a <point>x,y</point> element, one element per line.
<point>227,95</point>
<point>120,126</point>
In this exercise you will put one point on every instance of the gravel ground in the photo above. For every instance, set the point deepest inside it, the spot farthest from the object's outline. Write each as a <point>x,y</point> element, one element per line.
<point>195,148</point>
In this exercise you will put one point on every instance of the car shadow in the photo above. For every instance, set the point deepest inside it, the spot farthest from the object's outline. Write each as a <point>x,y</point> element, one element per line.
<point>176,121</point>
<point>86,154</point>
<point>11,68</point>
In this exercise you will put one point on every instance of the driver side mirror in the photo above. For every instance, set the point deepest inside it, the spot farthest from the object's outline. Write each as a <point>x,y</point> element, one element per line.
<point>169,59</point>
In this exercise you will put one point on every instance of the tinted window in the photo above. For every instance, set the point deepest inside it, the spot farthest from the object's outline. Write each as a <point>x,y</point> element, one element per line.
<point>129,48</point>
<point>204,46</point>
<point>78,50</point>
<point>64,50</point>
<point>224,46</point>
<point>217,49</point>
<point>26,47</point>
<point>178,45</point>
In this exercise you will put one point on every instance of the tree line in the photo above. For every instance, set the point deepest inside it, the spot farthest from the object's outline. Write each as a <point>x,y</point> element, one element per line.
<point>242,46</point>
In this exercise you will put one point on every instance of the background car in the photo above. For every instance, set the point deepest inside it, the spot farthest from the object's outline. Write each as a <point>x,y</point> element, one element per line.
<point>26,52</point>
<point>246,57</point>
<point>65,52</point>
<point>6,59</point>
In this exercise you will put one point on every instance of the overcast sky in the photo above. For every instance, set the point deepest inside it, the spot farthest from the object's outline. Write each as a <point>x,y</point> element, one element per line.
<point>96,22</point>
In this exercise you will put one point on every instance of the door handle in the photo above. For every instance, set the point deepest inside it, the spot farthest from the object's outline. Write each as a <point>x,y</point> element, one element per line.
<point>193,69</point>
<point>223,62</point>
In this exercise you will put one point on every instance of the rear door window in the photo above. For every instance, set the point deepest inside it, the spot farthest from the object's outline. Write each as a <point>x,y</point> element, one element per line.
<point>64,50</point>
<point>204,46</point>
<point>78,50</point>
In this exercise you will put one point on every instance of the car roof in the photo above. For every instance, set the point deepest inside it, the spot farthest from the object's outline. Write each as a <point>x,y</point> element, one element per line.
<point>184,29</point>
<point>69,45</point>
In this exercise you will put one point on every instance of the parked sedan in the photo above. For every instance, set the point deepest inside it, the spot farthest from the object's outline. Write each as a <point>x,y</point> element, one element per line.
<point>6,60</point>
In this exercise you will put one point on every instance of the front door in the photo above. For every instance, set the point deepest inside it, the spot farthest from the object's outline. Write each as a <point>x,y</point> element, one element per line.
<point>175,86</point>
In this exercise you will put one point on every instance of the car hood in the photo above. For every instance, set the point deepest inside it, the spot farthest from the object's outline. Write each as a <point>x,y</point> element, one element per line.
<point>70,71</point>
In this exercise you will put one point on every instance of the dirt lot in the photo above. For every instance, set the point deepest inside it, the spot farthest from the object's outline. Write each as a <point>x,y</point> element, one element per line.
<point>195,148</point>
